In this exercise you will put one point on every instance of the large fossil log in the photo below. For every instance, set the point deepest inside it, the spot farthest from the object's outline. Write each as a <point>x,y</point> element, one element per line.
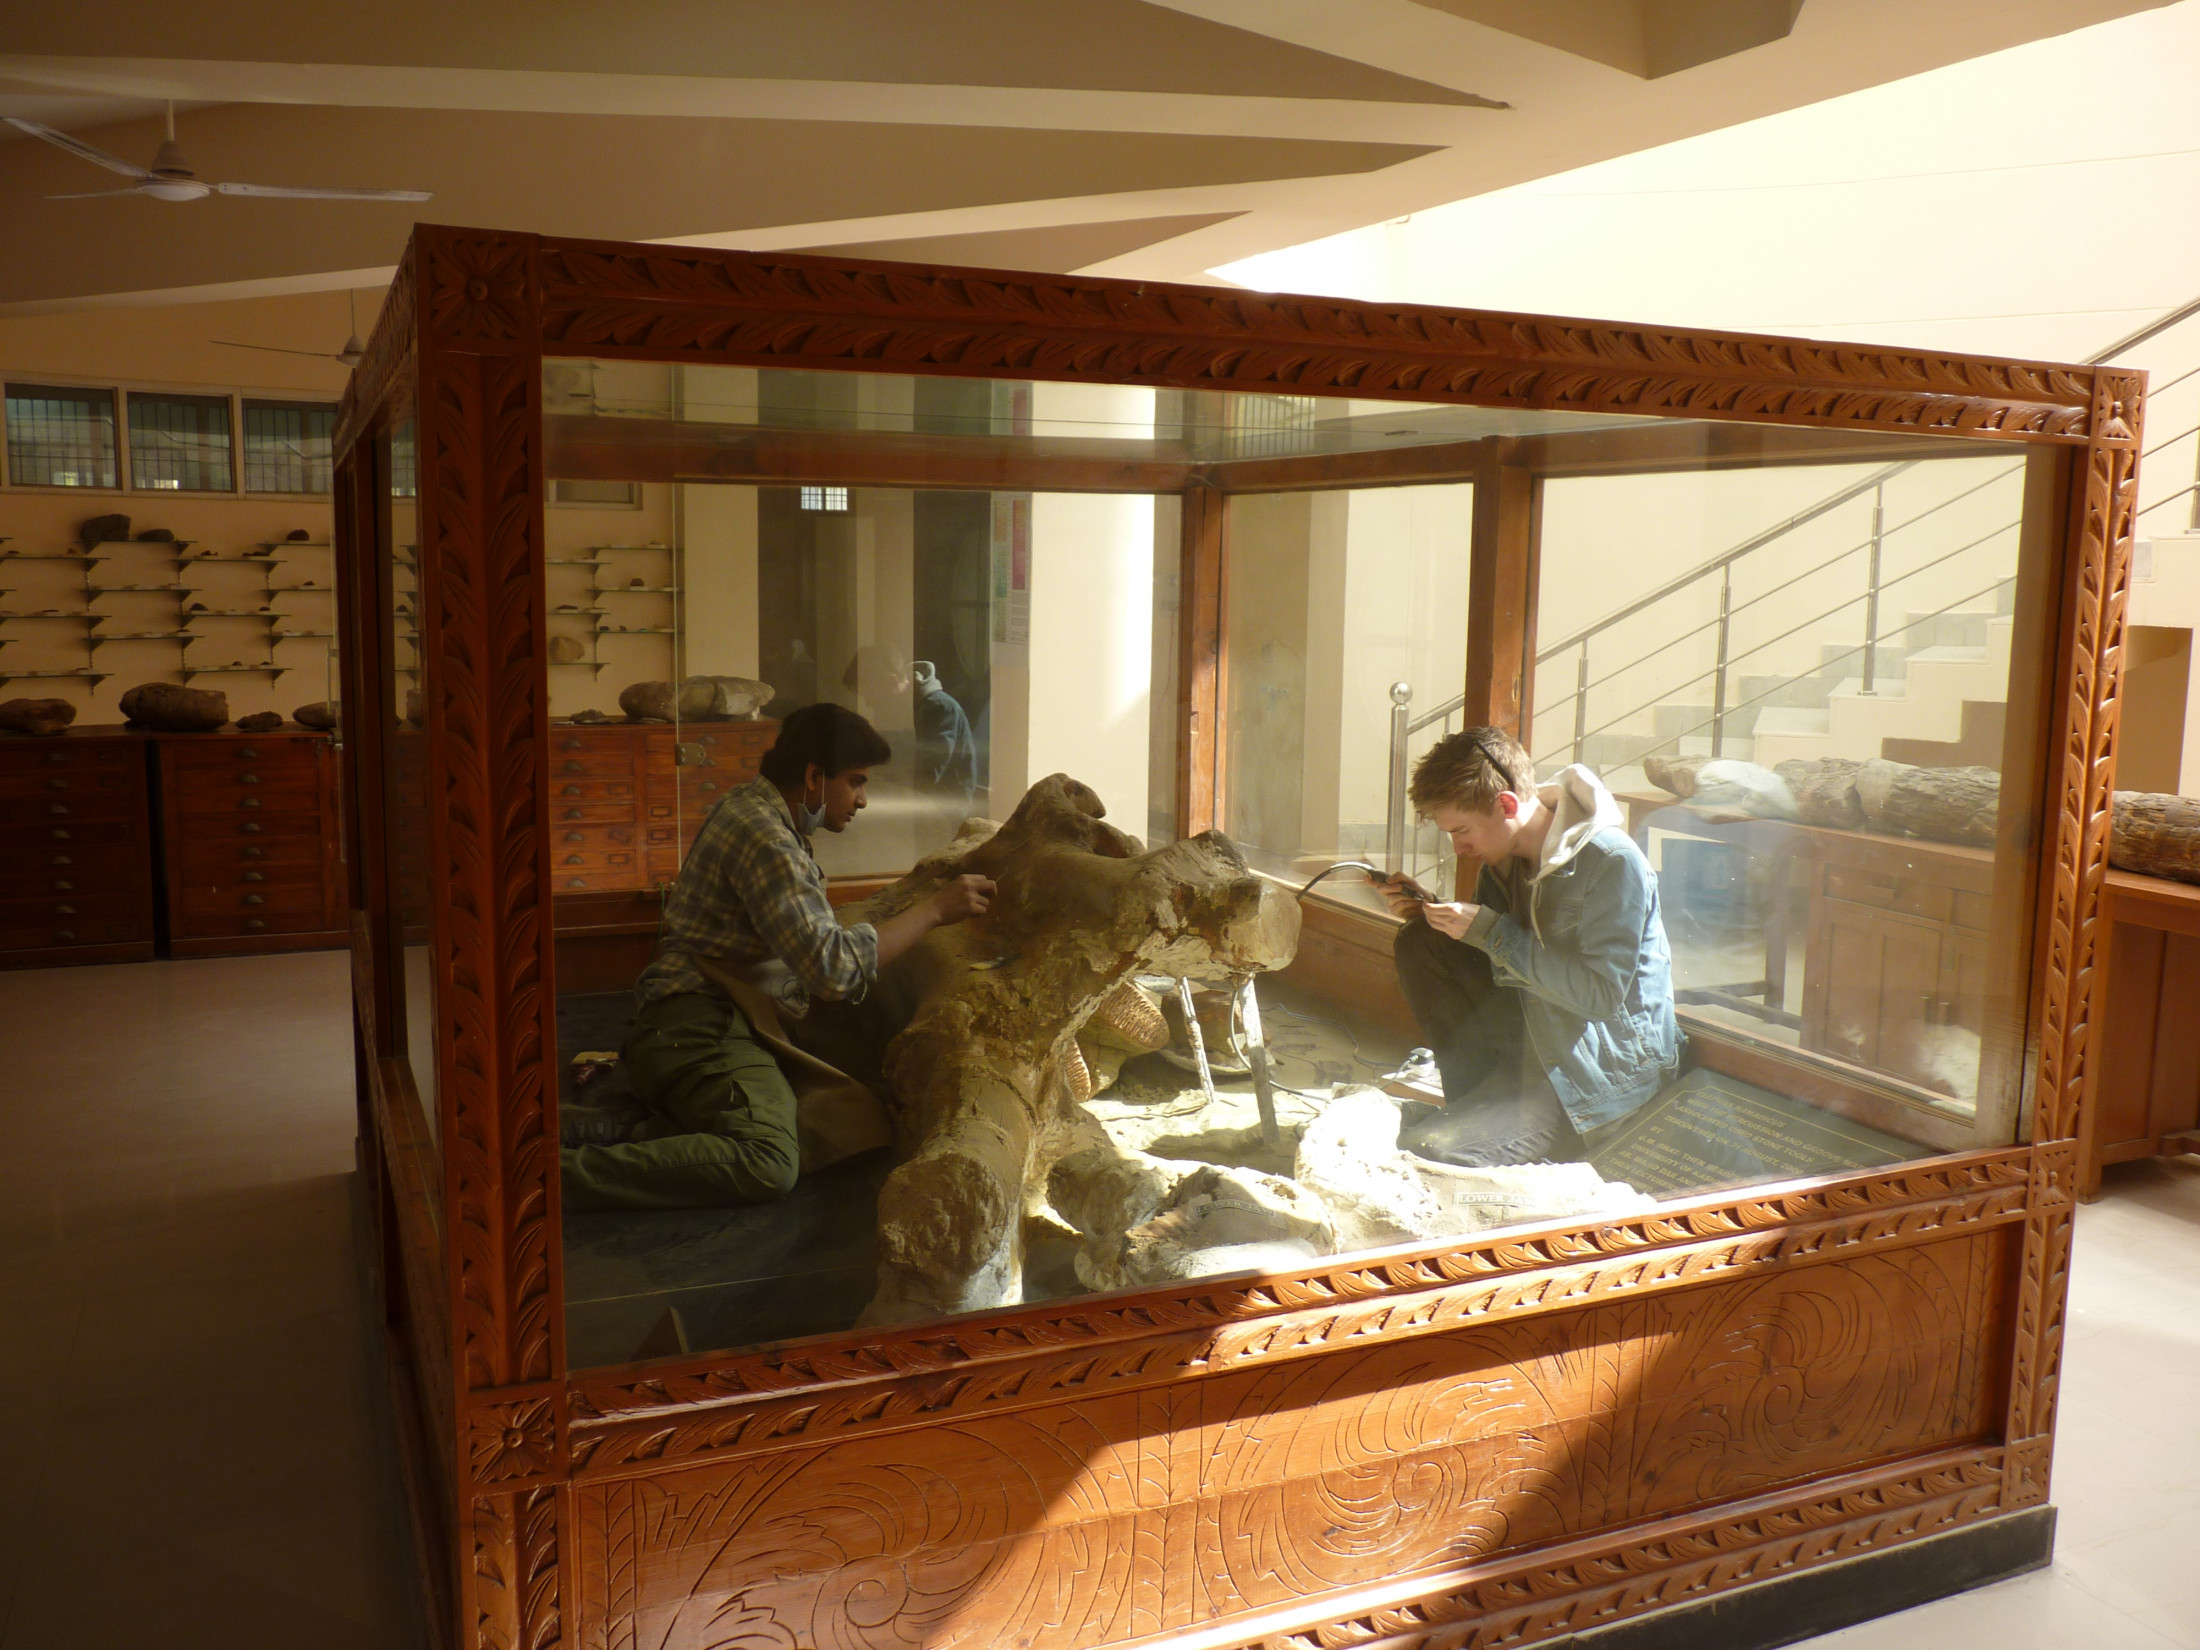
<point>2155,835</point>
<point>987,1075</point>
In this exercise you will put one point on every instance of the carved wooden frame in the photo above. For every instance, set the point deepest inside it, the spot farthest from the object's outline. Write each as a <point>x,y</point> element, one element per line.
<point>473,313</point>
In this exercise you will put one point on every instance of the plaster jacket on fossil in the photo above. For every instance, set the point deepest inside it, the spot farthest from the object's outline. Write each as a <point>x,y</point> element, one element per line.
<point>987,1075</point>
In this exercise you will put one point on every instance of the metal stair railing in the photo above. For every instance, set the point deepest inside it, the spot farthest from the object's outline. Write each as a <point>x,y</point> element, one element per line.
<point>1404,725</point>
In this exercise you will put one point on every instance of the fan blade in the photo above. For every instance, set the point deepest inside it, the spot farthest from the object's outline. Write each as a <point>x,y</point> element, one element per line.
<point>82,151</point>
<point>277,349</point>
<point>321,194</point>
<point>99,194</point>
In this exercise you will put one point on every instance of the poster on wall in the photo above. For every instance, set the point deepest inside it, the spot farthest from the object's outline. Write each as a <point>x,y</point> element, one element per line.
<point>1011,575</point>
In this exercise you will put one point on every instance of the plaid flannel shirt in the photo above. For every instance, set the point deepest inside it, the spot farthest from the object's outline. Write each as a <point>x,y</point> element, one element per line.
<point>751,891</point>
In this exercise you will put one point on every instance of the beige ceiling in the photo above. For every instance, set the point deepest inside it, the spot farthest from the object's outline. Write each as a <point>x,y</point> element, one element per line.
<point>1151,137</point>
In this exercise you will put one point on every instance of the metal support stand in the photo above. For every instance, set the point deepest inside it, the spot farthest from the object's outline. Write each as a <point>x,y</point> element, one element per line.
<point>1256,1055</point>
<point>1199,1039</point>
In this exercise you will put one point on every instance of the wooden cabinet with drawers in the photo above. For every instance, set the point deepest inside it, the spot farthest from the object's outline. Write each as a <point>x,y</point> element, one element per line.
<point>76,866</point>
<point>625,805</point>
<point>251,856</point>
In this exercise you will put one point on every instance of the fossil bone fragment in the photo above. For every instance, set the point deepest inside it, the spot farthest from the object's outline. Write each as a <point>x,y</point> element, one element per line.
<point>984,1076</point>
<point>44,717</point>
<point>699,699</point>
<point>171,709</point>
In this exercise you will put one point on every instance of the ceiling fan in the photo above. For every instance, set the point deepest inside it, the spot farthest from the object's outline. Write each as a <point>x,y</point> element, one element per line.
<point>171,180</point>
<point>351,354</point>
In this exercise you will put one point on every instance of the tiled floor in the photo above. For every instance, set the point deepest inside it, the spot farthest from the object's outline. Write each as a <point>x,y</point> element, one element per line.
<point>191,1452</point>
<point>191,1446</point>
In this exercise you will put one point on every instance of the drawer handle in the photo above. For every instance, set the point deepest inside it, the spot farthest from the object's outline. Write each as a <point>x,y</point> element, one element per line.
<point>574,859</point>
<point>576,882</point>
<point>249,802</point>
<point>57,784</point>
<point>255,899</point>
<point>65,934</point>
<point>56,808</point>
<point>252,825</point>
<point>245,753</point>
<point>248,779</point>
<point>61,887</point>
<point>63,859</point>
<point>249,852</point>
<point>570,745</point>
<point>576,836</point>
<point>57,756</point>
<point>570,790</point>
<point>572,767</point>
<point>59,836</point>
<point>64,910</point>
<point>572,813</point>
<point>254,923</point>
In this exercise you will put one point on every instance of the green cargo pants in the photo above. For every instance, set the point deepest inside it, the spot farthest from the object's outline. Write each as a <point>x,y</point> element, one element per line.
<point>721,1125</point>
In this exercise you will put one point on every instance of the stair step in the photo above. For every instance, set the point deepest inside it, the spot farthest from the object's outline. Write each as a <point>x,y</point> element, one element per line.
<point>1792,721</point>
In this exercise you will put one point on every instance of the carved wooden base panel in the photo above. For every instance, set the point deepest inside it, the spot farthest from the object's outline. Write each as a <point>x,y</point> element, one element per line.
<point>1105,1521</point>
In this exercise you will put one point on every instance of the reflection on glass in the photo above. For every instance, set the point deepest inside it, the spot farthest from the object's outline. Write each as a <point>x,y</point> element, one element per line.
<point>991,574</point>
<point>406,786</point>
<point>1338,600</point>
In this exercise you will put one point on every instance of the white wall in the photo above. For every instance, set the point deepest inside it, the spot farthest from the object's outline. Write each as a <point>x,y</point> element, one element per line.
<point>1077,698</point>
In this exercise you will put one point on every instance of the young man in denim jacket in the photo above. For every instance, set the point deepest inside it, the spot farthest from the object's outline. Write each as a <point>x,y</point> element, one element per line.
<point>1547,999</point>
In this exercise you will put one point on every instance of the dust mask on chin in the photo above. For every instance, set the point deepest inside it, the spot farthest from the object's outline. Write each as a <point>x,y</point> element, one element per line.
<point>812,818</point>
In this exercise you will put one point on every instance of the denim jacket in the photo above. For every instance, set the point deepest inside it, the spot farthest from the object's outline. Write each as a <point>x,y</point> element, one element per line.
<point>1580,936</point>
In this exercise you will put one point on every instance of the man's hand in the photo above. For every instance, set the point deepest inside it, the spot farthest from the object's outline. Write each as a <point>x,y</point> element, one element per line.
<point>962,899</point>
<point>1402,894</point>
<point>1453,920</point>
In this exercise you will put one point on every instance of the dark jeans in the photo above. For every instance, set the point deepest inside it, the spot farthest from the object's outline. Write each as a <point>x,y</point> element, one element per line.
<point>1492,1114</point>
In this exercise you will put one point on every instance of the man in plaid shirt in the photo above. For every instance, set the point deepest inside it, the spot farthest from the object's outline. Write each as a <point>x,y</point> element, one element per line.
<point>750,901</point>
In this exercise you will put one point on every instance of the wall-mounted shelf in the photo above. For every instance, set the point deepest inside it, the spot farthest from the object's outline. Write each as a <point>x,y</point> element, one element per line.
<point>191,670</point>
<point>133,589</point>
<point>293,544</point>
<point>637,630</point>
<point>93,618</point>
<point>54,675</point>
<point>637,590</point>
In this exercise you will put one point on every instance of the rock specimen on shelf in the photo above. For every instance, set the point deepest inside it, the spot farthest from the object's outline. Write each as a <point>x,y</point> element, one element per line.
<point>297,535</point>
<point>1721,787</point>
<point>167,708</point>
<point>156,535</point>
<point>699,699</point>
<point>44,717</point>
<point>2150,833</point>
<point>1825,791</point>
<point>263,721</point>
<point>588,718</point>
<point>567,650</point>
<point>321,717</point>
<point>1939,804</point>
<point>982,1075</point>
<point>102,530</point>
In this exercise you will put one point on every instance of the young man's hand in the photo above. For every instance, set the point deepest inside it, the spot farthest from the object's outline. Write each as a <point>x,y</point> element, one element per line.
<point>1402,894</point>
<point>963,898</point>
<point>1452,919</point>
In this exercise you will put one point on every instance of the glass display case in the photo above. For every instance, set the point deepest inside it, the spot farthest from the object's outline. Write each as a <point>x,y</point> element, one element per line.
<point>1174,609</point>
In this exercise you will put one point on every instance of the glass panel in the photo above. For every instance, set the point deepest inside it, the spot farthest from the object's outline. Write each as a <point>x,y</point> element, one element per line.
<point>990,574</point>
<point>411,868</point>
<point>180,443</point>
<point>287,446</point>
<point>60,437</point>
<point>1345,608</point>
<point>1802,685</point>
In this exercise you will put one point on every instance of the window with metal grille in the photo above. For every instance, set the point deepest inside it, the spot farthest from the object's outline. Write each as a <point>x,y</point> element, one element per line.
<point>180,443</point>
<point>404,472</point>
<point>287,446</point>
<point>60,437</point>
<point>824,498</point>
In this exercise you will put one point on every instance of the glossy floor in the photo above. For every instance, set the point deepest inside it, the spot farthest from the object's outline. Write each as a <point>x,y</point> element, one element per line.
<point>194,1450</point>
<point>191,1449</point>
